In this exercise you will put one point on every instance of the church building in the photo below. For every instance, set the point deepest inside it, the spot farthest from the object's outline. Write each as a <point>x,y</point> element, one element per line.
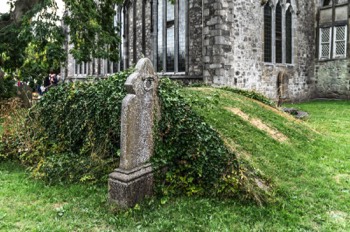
<point>293,50</point>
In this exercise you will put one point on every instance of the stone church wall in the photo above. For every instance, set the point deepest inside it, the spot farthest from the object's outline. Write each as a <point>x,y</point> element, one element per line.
<point>225,47</point>
<point>333,79</point>
<point>234,53</point>
<point>333,76</point>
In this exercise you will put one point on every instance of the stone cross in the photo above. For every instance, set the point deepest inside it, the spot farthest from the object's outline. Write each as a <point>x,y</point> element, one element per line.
<point>133,180</point>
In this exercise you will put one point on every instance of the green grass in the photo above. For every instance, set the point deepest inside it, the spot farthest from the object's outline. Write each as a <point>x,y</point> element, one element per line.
<point>310,174</point>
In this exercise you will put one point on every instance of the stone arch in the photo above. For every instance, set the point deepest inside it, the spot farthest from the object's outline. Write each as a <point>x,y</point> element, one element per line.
<point>282,87</point>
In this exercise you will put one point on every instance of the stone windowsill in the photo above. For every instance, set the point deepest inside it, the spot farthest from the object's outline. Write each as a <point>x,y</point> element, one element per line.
<point>334,59</point>
<point>279,65</point>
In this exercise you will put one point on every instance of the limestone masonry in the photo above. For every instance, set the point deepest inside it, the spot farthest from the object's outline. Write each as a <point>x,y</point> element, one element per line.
<point>291,50</point>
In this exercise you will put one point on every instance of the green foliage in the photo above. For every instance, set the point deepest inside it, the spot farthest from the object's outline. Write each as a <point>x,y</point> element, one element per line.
<point>191,157</point>
<point>7,88</point>
<point>13,138</point>
<point>95,35</point>
<point>72,134</point>
<point>34,43</point>
<point>251,94</point>
<point>75,131</point>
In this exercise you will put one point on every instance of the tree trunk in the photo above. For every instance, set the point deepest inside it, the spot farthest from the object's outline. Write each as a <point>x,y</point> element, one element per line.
<point>21,8</point>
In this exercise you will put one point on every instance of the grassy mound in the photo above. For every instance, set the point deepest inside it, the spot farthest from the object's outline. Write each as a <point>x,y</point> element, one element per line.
<point>260,135</point>
<point>308,168</point>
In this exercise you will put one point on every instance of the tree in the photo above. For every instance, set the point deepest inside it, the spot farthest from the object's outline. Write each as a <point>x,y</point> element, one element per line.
<point>31,40</point>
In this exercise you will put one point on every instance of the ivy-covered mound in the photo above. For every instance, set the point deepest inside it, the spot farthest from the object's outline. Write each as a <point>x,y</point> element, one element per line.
<point>190,156</point>
<point>72,135</point>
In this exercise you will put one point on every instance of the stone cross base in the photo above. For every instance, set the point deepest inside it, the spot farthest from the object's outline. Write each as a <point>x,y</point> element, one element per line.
<point>127,187</point>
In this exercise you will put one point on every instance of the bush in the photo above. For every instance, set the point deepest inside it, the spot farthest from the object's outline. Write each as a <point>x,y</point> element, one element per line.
<point>72,135</point>
<point>7,88</point>
<point>190,155</point>
<point>14,138</point>
<point>74,131</point>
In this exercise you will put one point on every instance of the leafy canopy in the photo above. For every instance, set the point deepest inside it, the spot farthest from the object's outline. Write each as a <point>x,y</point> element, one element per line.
<point>32,38</point>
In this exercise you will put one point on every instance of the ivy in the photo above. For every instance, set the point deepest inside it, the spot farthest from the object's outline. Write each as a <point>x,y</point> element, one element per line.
<point>73,135</point>
<point>189,153</point>
<point>75,131</point>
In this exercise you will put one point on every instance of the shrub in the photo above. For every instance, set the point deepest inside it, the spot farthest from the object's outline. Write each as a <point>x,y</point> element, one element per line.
<point>14,138</point>
<point>7,88</point>
<point>189,153</point>
<point>72,134</point>
<point>75,131</point>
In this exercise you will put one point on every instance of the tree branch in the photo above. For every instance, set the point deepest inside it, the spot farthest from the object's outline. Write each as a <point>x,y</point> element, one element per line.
<point>20,9</point>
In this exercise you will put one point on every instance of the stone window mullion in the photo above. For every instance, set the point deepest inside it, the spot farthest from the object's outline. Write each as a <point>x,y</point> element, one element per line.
<point>164,34</point>
<point>126,37</point>
<point>155,34</point>
<point>284,47</point>
<point>332,30</point>
<point>144,27</point>
<point>273,30</point>
<point>289,33</point>
<point>134,28</point>
<point>120,26</point>
<point>176,39</point>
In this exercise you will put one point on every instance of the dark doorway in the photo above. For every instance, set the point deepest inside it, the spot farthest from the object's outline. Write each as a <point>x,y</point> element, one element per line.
<point>282,87</point>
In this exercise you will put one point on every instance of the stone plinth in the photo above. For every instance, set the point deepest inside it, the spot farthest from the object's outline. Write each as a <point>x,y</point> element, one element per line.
<point>127,187</point>
<point>133,180</point>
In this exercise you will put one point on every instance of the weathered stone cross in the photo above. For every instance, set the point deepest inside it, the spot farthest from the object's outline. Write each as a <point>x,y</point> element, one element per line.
<point>133,180</point>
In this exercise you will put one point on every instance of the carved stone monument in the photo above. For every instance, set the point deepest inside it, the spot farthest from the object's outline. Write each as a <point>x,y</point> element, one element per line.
<point>133,180</point>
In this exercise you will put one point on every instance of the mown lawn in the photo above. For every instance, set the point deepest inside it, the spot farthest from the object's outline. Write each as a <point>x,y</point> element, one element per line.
<point>310,174</point>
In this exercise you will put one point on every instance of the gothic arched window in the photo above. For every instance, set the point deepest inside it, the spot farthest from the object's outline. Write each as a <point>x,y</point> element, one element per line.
<point>278,32</point>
